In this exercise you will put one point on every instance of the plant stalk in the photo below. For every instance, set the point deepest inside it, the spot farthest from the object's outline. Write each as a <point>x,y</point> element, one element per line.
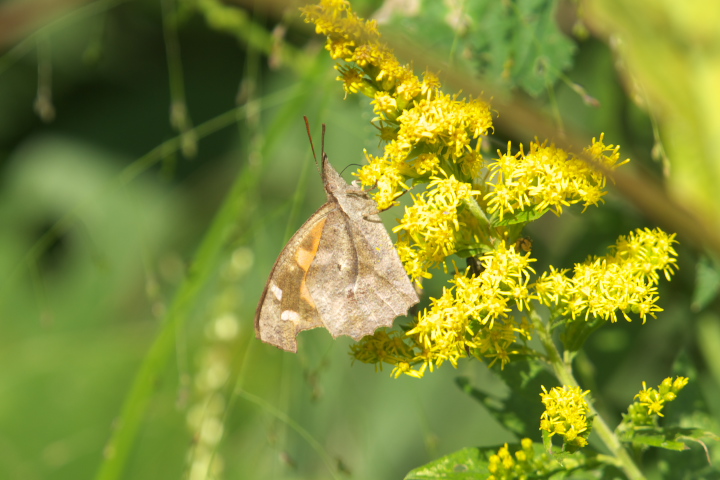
<point>562,368</point>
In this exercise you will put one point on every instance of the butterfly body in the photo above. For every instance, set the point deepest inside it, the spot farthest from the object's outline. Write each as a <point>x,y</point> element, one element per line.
<point>339,271</point>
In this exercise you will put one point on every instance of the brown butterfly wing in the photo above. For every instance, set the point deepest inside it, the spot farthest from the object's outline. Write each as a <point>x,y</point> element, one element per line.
<point>382,286</point>
<point>340,271</point>
<point>357,279</point>
<point>378,258</point>
<point>286,306</point>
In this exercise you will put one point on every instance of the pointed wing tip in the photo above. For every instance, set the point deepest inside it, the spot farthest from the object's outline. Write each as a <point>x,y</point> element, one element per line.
<point>288,345</point>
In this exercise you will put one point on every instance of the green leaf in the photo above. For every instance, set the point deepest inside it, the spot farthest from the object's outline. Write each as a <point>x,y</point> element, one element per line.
<point>694,463</point>
<point>658,441</point>
<point>521,216</point>
<point>473,463</point>
<point>707,283</point>
<point>466,464</point>
<point>514,44</point>
<point>672,438</point>
<point>520,43</point>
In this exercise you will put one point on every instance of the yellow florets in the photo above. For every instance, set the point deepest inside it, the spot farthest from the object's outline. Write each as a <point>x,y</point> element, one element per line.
<point>565,414</point>
<point>434,224</point>
<point>463,204</point>
<point>625,281</point>
<point>649,403</point>
<point>547,178</point>
<point>471,317</point>
<point>352,77</point>
<point>343,28</point>
<point>445,123</point>
<point>415,118</point>
<point>654,400</point>
<point>524,463</point>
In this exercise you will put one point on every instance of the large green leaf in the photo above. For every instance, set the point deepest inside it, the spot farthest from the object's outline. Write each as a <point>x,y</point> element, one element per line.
<point>519,43</point>
<point>521,216</point>
<point>465,464</point>
<point>473,464</point>
<point>514,44</point>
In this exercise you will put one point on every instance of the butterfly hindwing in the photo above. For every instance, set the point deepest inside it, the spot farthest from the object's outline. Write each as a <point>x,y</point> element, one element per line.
<point>382,280</point>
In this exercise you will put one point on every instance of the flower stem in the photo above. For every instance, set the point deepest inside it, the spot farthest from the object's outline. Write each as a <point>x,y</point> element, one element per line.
<point>562,368</point>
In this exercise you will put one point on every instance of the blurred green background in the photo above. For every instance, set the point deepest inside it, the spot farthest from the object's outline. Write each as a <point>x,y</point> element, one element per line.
<point>134,248</point>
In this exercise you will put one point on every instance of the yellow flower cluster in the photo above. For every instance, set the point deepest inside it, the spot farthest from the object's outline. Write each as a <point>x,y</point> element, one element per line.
<point>548,178</point>
<point>524,464</point>
<point>471,317</point>
<point>434,225</point>
<point>434,138</point>
<point>649,403</point>
<point>345,31</point>
<point>435,134</point>
<point>625,280</point>
<point>428,132</point>
<point>565,414</point>
<point>654,400</point>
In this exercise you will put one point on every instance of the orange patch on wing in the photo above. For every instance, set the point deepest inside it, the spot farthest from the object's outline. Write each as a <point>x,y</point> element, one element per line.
<point>305,255</point>
<point>308,248</point>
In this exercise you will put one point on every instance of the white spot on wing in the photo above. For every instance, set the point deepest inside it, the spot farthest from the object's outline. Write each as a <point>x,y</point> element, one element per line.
<point>277,291</point>
<point>290,316</point>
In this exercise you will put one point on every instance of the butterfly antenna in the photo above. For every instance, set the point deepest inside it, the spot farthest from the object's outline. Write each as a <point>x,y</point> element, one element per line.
<point>322,141</point>
<point>307,126</point>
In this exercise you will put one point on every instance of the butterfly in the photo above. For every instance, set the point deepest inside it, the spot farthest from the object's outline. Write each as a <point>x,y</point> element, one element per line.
<point>339,271</point>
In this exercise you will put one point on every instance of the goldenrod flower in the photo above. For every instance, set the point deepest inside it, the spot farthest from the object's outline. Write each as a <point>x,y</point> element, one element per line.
<point>416,118</point>
<point>505,465</point>
<point>384,105</point>
<point>548,178</point>
<point>352,77</point>
<point>384,347</point>
<point>434,225</point>
<point>502,464</point>
<point>566,413</point>
<point>624,281</point>
<point>649,403</point>
<point>471,317</point>
<point>344,29</point>
<point>435,139</point>
<point>654,400</point>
